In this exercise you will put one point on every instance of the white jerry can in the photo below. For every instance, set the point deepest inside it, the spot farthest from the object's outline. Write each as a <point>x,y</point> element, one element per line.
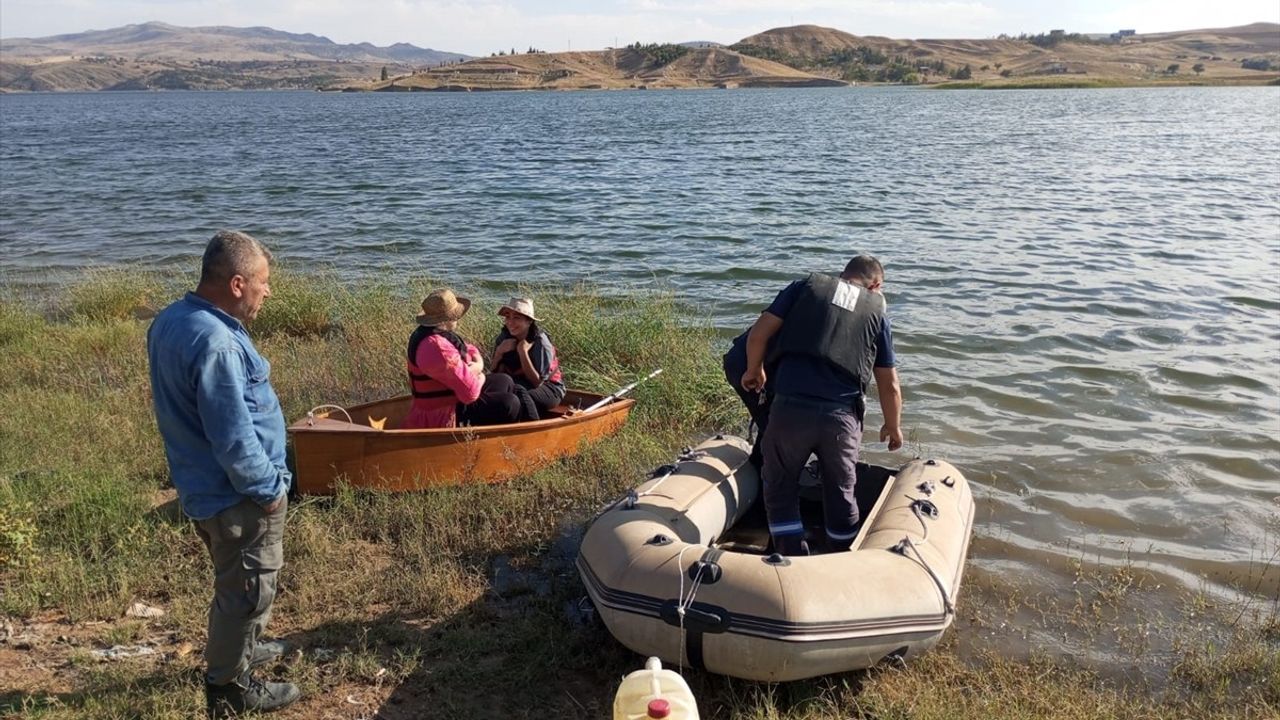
<point>654,693</point>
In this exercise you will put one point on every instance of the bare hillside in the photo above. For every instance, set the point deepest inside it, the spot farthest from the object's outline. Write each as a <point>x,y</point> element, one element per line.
<point>160,56</point>
<point>83,74</point>
<point>156,56</point>
<point>163,42</point>
<point>1246,54</point>
<point>603,69</point>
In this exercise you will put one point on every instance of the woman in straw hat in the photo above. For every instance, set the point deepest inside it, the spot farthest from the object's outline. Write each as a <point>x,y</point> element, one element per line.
<point>523,351</point>
<point>447,375</point>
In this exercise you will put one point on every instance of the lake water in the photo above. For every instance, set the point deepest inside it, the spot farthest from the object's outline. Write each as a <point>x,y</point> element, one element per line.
<point>1084,284</point>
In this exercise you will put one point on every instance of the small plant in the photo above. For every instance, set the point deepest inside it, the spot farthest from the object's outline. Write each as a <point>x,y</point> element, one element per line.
<point>18,534</point>
<point>124,633</point>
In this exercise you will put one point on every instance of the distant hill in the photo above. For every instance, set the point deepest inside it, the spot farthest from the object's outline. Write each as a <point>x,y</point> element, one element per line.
<point>654,66</point>
<point>157,56</point>
<point>1219,54</point>
<point>163,42</point>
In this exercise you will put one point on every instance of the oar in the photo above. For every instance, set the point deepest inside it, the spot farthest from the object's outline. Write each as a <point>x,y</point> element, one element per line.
<point>619,393</point>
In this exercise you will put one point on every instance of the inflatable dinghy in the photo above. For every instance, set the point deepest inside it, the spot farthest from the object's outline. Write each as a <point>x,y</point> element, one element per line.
<point>680,568</point>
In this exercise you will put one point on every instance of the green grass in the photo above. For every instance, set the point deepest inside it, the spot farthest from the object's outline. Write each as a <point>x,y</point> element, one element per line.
<point>392,597</point>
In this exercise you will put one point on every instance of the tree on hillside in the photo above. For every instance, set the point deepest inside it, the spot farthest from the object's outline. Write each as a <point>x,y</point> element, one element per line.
<point>856,73</point>
<point>660,54</point>
<point>1197,68</point>
<point>384,72</point>
<point>1172,69</point>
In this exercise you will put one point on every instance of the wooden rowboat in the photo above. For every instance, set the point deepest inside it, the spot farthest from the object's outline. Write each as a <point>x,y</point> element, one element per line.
<point>369,450</point>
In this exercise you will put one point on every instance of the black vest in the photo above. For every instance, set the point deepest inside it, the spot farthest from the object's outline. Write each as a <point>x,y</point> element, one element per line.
<point>837,322</point>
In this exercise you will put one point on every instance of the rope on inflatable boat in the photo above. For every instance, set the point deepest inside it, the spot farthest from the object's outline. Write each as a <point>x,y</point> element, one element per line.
<point>907,543</point>
<point>686,455</point>
<point>667,471</point>
<point>682,601</point>
<point>942,589</point>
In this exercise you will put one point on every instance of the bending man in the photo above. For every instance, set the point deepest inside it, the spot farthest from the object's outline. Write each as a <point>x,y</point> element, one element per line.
<point>833,336</point>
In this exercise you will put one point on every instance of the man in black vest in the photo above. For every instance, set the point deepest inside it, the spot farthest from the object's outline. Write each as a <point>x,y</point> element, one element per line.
<point>833,337</point>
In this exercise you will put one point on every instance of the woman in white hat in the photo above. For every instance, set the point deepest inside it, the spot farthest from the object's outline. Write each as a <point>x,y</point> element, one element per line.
<point>523,351</point>
<point>447,375</point>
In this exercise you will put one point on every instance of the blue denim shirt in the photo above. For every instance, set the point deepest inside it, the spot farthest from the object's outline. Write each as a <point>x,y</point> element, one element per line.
<point>223,429</point>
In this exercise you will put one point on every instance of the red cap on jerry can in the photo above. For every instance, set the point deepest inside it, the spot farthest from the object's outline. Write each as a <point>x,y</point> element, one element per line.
<point>659,708</point>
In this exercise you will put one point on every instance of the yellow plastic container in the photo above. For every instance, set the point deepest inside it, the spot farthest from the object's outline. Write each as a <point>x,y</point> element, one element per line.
<point>654,693</point>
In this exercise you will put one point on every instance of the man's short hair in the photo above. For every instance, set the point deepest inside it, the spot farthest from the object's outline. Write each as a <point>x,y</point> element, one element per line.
<point>230,253</point>
<point>863,267</point>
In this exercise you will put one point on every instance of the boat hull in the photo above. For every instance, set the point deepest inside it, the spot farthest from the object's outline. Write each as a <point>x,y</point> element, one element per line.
<point>330,449</point>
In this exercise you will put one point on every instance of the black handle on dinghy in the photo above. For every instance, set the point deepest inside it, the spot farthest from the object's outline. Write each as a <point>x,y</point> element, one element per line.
<point>699,617</point>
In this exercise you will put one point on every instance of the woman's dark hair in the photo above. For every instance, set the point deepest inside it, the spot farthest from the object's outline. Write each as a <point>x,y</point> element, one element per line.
<point>533,330</point>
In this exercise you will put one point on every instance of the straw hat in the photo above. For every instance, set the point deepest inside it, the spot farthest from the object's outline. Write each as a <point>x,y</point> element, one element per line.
<point>441,306</point>
<point>523,306</point>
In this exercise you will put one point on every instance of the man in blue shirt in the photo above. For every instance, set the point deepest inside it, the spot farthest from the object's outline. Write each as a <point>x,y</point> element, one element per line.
<point>224,437</point>
<point>832,338</point>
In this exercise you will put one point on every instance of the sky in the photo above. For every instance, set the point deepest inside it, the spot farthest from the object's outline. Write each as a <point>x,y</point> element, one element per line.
<point>480,27</point>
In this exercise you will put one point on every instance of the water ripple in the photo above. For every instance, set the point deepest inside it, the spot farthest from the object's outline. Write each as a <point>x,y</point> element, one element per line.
<point>1082,284</point>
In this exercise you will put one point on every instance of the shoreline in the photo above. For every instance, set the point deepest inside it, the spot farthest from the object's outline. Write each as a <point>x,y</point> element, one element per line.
<point>1048,82</point>
<point>457,597</point>
<point>956,85</point>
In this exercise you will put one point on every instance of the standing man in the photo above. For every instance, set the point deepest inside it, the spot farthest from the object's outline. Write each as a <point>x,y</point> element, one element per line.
<point>833,336</point>
<point>224,437</point>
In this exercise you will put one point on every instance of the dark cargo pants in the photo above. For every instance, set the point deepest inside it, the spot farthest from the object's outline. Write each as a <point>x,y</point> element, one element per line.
<point>247,547</point>
<point>831,431</point>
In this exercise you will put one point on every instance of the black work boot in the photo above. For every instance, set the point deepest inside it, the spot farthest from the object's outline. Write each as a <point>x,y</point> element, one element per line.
<point>265,652</point>
<point>791,545</point>
<point>247,693</point>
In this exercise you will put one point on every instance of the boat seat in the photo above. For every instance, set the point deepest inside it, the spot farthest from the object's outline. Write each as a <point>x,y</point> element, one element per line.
<point>557,411</point>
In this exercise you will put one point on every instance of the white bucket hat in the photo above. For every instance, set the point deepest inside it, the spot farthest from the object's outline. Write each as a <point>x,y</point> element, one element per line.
<point>523,306</point>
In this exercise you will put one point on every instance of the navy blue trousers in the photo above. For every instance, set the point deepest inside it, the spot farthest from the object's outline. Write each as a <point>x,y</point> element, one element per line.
<point>831,431</point>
